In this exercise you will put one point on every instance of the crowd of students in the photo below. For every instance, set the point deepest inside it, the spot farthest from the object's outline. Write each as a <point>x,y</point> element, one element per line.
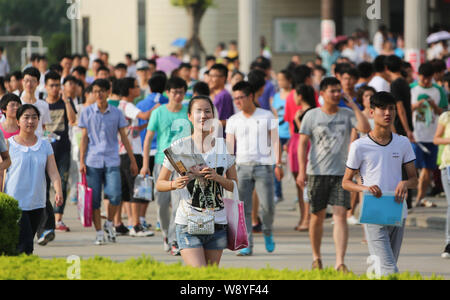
<point>346,127</point>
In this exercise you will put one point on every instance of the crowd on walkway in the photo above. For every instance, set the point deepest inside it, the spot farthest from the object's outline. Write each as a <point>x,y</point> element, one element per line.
<point>355,119</point>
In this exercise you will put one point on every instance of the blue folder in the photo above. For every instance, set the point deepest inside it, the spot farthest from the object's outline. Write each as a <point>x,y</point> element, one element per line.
<point>381,211</point>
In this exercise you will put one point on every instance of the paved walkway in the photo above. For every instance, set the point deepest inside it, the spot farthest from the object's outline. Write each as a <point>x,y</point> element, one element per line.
<point>420,252</point>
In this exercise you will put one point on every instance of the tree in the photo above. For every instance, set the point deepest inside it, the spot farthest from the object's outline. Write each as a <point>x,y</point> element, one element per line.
<point>196,9</point>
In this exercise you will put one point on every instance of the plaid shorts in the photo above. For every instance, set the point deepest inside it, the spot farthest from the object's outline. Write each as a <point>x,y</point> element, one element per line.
<point>326,190</point>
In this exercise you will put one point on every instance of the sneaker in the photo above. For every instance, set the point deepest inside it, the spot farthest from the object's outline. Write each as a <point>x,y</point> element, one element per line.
<point>100,240</point>
<point>166,245</point>
<point>46,237</point>
<point>446,253</point>
<point>352,221</point>
<point>245,252</point>
<point>270,244</point>
<point>158,226</point>
<point>109,229</point>
<point>122,230</point>
<point>146,225</point>
<point>174,250</point>
<point>278,199</point>
<point>60,226</point>
<point>140,231</point>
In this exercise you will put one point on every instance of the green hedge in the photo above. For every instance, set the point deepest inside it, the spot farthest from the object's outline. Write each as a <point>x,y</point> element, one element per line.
<point>145,268</point>
<point>9,224</point>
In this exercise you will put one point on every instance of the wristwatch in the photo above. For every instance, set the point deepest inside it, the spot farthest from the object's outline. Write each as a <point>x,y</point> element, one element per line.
<point>279,166</point>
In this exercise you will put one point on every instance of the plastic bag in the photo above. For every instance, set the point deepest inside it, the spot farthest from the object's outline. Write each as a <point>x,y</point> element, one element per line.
<point>143,188</point>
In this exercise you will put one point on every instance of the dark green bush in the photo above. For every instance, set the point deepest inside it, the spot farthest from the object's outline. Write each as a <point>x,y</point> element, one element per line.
<point>9,224</point>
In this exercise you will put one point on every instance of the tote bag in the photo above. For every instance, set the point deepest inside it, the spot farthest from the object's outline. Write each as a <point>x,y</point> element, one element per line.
<point>84,202</point>
<point>237,230</point>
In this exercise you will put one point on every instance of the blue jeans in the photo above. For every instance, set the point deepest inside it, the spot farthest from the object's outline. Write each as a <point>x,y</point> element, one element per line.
<point>259,178</point>
<point>278,187</point>
<point>110,178</point>
<point>446,185</point>
<point>216,241</point>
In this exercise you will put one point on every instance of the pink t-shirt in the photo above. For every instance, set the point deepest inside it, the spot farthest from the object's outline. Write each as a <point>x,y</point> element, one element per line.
<point>6,134</point>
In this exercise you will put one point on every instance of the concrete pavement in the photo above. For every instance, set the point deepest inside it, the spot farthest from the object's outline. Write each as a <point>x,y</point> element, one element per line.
<point>420,252</point>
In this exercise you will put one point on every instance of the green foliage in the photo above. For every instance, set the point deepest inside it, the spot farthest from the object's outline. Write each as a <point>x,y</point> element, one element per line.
<point>59,45</point>
<point>186,3</point>
<point>9,229</point>
<point>35,17</point>
<point>146,268</point>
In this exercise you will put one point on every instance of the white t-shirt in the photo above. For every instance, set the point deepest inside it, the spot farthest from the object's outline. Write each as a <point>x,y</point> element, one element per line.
<point>45,115</point>
<point>130,111</point>
<point>217,157</point>
<point>252,136</point>
<point>381,165</point>
<point>380,84</point>
<point>424,131</point>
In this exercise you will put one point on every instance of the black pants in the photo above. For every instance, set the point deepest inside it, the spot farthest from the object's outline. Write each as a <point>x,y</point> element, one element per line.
<point>28,224</point>
<point>47,221</point>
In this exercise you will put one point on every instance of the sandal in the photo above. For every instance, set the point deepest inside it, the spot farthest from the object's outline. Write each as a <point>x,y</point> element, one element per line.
<point>427,204</point>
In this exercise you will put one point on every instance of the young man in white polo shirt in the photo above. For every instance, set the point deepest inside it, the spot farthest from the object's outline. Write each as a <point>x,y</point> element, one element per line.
<point>255,132</point>
<point>379,158</point>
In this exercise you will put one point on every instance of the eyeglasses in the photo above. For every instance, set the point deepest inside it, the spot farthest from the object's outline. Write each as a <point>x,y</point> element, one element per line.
<point>240,98</point>
<point>99,92</point>
<point>30,81</point>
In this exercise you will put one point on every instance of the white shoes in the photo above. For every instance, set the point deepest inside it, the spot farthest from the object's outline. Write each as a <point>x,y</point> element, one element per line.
<point>352,221</point>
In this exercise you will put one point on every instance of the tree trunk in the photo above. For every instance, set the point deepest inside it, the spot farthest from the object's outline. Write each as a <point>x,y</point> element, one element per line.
<point>194,45</point>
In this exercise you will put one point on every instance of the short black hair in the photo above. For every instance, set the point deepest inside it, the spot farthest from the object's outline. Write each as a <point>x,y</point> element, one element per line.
<point>80,70</point>
<point>353,72</point>
<point>185,65</point>
<point>152,62</point>
<point>288,75</point>
<point>70,78</point>
<point>2,83</point>
<point>361,91</point>
<point>264,63</point>
<point>379,64</point>
<point>382,100</point>
<point>125,84</point>
<point>257,79</point>
<point>340,68</point>
<point>245,87</point>
<point>201,88</point>
<point>210,58</point>
<point>9,98</point>
<point>103,68</point>
<point>33,72</point>
<point>121,66</point>
<point>394,63</point>
<point>66,56</point>
<point>176,83</point>
<point>301,73</point>
<point>99,61</point>
<point>21,110</point>
<point>426,69</point>
<point>17,75</point>
<point>327,82</point>
<point>102,83</point>
<point>365,70</point>
<point>438,65</point>
<point>56,68</point>
<point>53,76</point>
<point>158,83</point>
<point>222,68</point>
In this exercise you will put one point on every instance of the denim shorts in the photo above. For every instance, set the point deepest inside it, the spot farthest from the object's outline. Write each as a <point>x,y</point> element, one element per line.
<point>110,178</point>
<point>216,241</point>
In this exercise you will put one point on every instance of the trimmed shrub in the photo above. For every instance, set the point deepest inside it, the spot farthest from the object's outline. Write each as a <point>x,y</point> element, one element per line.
<point>9,224</point>
<point>146,268</point>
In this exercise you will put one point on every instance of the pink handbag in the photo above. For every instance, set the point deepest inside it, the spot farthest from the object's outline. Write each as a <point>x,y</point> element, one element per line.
<point>84,202</point>
<point>237,230</point>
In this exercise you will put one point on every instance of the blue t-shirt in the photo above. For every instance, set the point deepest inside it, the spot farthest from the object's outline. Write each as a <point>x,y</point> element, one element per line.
<point>280,105</point>
<point>269,92</point>
<point>145,105</point>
